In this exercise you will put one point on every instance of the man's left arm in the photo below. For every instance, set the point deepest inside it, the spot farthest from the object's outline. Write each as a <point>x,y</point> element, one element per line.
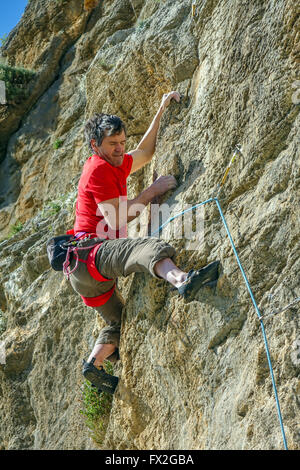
<point>146,148</point>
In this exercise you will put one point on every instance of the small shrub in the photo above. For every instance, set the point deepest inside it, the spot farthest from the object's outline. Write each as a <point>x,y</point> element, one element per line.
<point>57,144</point>
<point>3,322</point>
<point>96,409</point>
<point>105,65</point>
<point>17,227</point>
<point>53,208</point>
<point>141,24</point>
<point>3,40</point>
<point>16,82</point>
<point>65,201</point>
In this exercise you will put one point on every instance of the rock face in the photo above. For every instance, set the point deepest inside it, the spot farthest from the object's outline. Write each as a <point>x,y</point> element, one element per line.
<point>193,375</point>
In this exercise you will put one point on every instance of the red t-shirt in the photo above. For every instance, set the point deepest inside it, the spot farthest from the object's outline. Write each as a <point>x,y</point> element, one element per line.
<point>99,182</point>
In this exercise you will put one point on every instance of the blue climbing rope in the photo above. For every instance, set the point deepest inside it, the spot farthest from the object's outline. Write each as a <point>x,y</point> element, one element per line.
<point>215,199</point>
<point>261,322</point>
<point>180,213</point>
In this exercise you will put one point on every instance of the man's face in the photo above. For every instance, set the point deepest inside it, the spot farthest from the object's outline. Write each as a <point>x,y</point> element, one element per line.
<point>112,148</point>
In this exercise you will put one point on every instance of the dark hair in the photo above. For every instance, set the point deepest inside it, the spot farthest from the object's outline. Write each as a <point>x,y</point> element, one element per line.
<point>102,125</point>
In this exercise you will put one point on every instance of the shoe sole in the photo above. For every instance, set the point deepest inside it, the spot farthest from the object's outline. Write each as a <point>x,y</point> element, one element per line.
<point>207,275</point>
<point>106,384</point>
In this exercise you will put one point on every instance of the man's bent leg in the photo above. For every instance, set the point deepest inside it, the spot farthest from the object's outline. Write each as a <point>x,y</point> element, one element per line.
<point>123,257</point>
<point>108,340</point>
<point>106,345</point>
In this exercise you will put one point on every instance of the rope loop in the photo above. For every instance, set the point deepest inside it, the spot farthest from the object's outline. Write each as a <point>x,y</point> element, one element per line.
<point>73,249</point>
<point>66,266</point>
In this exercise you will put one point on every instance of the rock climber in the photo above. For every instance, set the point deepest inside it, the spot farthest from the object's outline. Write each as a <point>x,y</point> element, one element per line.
<point>102,214</point>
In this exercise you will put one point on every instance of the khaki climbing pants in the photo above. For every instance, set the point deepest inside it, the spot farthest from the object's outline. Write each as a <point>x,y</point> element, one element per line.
<point>114,259</point>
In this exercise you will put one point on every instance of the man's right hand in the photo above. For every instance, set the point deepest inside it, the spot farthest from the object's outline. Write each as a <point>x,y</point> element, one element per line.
<point>116,216</point>
<point>162,184</point>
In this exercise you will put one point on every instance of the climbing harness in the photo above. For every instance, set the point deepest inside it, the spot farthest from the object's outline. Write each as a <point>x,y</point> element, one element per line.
<point>72,251</point>
<point>101,299</point>
<point>260,317</point>
<point>63,249</point>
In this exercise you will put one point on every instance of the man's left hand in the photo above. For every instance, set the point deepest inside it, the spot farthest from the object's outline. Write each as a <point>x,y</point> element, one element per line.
<point>167,97</point>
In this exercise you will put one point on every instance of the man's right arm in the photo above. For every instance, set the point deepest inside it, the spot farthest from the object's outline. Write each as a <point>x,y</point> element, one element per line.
<point>117,212</point>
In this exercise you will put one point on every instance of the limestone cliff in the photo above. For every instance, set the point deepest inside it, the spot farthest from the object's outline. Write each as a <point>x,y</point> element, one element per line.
<point>193,375</point>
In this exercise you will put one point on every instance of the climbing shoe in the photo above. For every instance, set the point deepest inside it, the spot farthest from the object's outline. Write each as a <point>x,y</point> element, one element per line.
<point>99,378</point>
<point>197,279</point>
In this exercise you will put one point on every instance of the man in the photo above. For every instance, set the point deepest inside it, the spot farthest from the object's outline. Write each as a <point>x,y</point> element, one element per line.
<point>102,213</point>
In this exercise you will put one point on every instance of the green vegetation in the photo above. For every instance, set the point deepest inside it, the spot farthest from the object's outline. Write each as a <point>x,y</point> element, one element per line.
<point>17,227</point>
<point>52,208</point>
<point>16,82</point>
<point>105,65</point>
<point>65,201</point>
<point>57,144</point>
<point>13,230</point>
<point>49,211</point>
<point>3,322</point>
<point>3,40</point>
<point>96,409</point>
<point>142,24</point>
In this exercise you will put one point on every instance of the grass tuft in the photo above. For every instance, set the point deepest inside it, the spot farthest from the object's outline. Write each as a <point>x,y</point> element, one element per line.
<point>96,409</point>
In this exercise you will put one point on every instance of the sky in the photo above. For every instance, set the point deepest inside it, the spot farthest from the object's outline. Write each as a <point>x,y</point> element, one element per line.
<point>10,14</point>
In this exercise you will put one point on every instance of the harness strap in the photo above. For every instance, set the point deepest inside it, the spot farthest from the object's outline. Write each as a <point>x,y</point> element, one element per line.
<point>91,266</point>
<point>92,269</point>
<point>100,299</point>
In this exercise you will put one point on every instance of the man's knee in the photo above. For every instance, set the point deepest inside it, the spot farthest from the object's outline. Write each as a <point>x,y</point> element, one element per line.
<point>160,250</point>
